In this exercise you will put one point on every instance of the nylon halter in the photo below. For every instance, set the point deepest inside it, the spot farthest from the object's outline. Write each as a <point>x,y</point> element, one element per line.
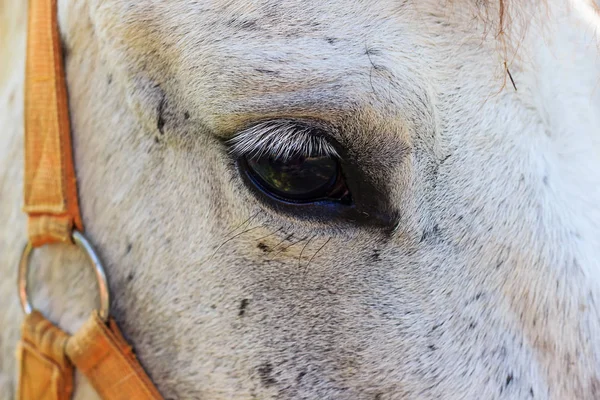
<point>47,356</point>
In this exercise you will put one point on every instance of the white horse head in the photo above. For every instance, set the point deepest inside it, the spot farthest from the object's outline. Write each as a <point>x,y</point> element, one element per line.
<point>453,148</point>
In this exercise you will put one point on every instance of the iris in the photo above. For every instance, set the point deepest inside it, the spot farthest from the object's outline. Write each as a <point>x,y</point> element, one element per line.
<point>298,179</point>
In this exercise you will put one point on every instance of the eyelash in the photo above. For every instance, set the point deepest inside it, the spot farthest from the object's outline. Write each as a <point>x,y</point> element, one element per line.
<point>281,140</point>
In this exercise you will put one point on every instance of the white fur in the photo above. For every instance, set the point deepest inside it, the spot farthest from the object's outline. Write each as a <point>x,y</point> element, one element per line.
<point>489,286</point>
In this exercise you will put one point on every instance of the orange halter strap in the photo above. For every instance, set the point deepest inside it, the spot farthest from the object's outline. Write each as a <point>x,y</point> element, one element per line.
<point>47,355</point>
<point>50,183</point>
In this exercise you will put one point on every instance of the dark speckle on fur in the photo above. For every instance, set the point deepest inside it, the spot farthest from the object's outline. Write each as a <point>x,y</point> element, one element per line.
<point>300,376</point>
<point>376,255</point>
<point>243,305</point>
<point>160,122</point>
<point>433,328</point>
<point>331,40</point>
<point>265,372</point>
<point>545,180</point>
<point>263,247</point>
<point>186,115</point>
<point>372,52</point>
<point>128,248</point>
<point>509,379</point>
<point>434,232</point>
<point>130,277</point>
<point>243,24</point>
<point>436,169</point>
<point>266,71</point>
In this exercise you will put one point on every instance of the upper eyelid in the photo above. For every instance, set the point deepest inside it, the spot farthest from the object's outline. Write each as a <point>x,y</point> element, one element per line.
<point>281,139</point>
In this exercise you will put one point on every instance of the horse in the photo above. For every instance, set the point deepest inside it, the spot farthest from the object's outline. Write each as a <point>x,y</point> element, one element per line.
<point>325,200</point>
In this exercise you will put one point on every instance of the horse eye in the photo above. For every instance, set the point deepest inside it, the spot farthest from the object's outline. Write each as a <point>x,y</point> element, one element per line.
<point>298,179</point>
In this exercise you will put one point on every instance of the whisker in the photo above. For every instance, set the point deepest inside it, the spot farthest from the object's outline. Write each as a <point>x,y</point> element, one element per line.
<point>510,76</point>
<point>302,251</point>
<point>243,223</point>
<point>314,255</point>
<point>293,244</point>
<point>288,237</point>
<point>246,222</point>
<point>270,234</point>
<point>233,237</point>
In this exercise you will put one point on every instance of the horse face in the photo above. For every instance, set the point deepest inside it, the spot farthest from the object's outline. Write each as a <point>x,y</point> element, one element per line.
<point>447,250</point>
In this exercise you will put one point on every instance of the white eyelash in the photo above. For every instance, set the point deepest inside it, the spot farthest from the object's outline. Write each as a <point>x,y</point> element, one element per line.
<point>281,140</point>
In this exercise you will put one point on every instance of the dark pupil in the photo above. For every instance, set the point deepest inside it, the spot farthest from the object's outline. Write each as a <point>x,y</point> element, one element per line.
<point>297,179</point>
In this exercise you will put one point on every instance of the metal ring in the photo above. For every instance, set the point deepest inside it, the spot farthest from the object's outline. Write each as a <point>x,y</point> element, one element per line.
<point>86,246</point>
